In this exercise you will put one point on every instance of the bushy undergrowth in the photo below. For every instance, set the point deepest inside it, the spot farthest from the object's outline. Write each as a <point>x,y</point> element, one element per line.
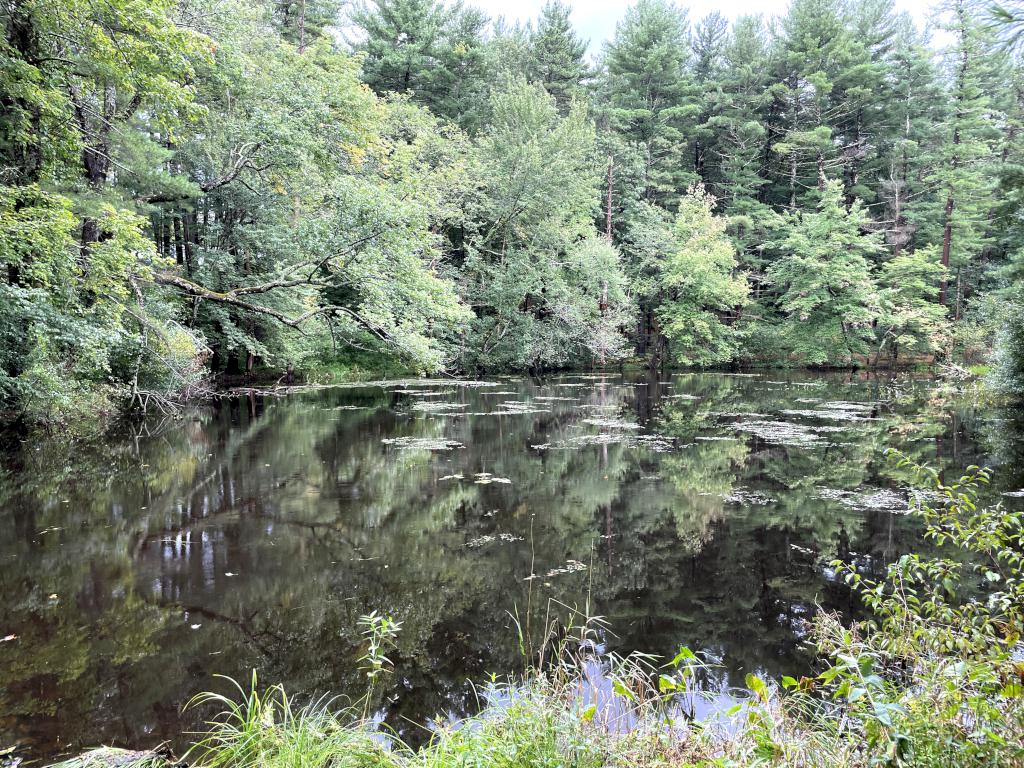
<point>934,678</point>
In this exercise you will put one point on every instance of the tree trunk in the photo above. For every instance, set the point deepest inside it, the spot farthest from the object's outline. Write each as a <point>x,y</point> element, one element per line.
<point>947,242</point>
<point>608,212</point>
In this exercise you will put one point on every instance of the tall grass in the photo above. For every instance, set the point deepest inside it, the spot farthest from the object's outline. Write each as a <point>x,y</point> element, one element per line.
<point>263,730</point>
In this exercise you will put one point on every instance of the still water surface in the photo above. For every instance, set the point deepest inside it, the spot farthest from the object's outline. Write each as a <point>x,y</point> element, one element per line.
<point>698,510</point>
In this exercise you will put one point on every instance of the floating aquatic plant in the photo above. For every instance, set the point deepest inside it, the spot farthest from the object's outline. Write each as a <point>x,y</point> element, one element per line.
<point>786,432</point>
<point>611,423</point>
<point>422,443</point>
<point>868,499</point>
<point>485,478</point>
<point>481,541</point>
<point>435,407</point>
<point>571,566</point>
<point>747,498</point>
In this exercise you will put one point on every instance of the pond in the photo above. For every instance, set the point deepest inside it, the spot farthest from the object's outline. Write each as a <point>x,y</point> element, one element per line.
<point>694,509</point>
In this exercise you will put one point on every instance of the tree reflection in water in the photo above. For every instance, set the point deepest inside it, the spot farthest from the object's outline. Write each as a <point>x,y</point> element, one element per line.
<point>691,511</point>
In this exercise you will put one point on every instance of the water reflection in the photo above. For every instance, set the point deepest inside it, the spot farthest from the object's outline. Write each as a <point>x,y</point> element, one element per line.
<point>697,510</point>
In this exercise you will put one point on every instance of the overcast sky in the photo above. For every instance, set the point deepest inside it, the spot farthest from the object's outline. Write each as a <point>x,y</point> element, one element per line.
<point>595,19</point>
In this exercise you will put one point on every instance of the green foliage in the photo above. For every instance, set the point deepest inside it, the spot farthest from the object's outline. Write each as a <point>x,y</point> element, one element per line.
<point>1007,373</point>
<point>911,318</point>
<point>266,729</point>
<point>433,52</point>
<point>826,290</point>
<point>932,678</point>
<point>557,55</point>
<point>431,191</point>
<point>701,291</point>
<point>964,159</point>
<point>650,94</point>
<point>546,291</point>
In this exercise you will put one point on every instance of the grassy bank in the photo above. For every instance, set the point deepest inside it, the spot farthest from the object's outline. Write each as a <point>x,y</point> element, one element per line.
<point>935,678</point>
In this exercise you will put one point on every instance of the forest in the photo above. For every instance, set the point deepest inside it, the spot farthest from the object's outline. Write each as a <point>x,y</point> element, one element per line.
<point>199,189</point>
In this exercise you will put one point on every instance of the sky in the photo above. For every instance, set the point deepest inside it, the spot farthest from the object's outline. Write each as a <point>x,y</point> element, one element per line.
<point>595,19</point>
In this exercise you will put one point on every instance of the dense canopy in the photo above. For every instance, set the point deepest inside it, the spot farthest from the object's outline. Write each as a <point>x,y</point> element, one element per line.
<point>199,188</point>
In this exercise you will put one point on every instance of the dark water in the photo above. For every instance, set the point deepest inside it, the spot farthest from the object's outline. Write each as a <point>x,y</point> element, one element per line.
<point>700,511</point>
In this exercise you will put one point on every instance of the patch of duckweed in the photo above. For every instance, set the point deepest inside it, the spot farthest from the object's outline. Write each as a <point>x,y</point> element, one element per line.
<point>868,499</point>
<point>430,406</point>
<point>747,498</point>
<point>827,414</point>
<point>787,432</point>
<point>490,538</point>
<point>611,423</point>
<point>415,384</point>
<point>655,443</point>
<point>422,443</point>
<point>571,566</point>
<point>517,407</point>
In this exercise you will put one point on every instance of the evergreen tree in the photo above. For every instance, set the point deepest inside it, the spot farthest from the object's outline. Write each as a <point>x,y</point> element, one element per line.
<point>401,42</point>
<point>459,86</point>
<point>823,275</point>
<point>431,51</point>
<point>737,122</point>
<point>813,48</point>
<point>916,107</point>
<point>650,97</point>
<point>557,55</point>
<point>862,83</point>
<point>963,170</point>
<point>709,41</point>
<point>302,21</point>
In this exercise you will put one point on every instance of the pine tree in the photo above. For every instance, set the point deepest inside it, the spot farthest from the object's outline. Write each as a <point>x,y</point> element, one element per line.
<point>814,46</point>
<point>709,41</point>
<point>963,165</point>
<point>303,21</point>
<point>400,45</point>
<point>650,97</point>
<point>861,85</point>
<point>740,134</point>
<point>459,86</point>
<point>915,105</point>
<point>557,55</point>
<point>431,51</point>
<point>823,275</point>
